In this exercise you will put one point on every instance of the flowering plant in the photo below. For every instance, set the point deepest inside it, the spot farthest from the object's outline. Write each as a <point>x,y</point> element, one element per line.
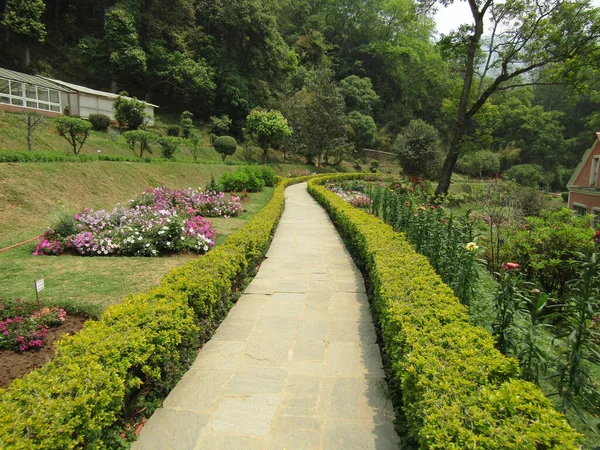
<point>28,332</point>
<point>157,221</point>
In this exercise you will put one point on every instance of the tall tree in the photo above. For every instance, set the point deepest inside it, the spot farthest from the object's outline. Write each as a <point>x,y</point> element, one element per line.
<point>23,18</point>
<point>525,35</point>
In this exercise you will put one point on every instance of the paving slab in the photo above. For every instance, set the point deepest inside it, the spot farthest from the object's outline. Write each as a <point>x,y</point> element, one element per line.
<point>295,365</point>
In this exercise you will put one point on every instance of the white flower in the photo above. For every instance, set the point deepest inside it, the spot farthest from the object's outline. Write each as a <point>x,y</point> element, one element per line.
<point>168,243</point>
<point>472,246</point>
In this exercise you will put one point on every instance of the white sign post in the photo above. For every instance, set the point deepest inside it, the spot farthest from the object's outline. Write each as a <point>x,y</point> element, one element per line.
<point>39,286</point>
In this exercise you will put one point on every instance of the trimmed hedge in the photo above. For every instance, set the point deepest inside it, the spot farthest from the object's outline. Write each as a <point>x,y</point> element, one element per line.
<point>75,400</point>
<point>458,391</point>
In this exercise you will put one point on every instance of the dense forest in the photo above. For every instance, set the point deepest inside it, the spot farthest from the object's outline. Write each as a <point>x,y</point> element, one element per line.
<point>518,87</point>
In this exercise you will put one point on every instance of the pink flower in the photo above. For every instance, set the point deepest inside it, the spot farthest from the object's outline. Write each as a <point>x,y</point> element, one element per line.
<point>510,266</point>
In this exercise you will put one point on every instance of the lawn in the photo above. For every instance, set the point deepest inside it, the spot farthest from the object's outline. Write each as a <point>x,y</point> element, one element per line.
<point>90,284</point>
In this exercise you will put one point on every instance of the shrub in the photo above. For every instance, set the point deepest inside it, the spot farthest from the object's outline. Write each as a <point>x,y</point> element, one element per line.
<point>418,151</point>
<point>565,196</point>
<point>266,128</point>
<point>532,201</point>
<point>169,146</point>
<point>479,164</point>
<point>129,111</point>
<point>249,178</point>
<point>526,174</point>
<point>141,140</point>
<point>212,138</point>
<point>100,122</point>
<point>225,146</point>
<point>186,122</point>
<point>194,141</point>
<point>74,130</point>
<point>77,399</point>
<point>457,390</point>
<point>220,125</point>
<point>268,175</point>
<point>174,130</point>
<point>374,165</point>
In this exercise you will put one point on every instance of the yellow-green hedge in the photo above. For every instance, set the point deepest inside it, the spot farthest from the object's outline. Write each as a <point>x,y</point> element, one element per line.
<point>73,401</point>
<point>458,391</point>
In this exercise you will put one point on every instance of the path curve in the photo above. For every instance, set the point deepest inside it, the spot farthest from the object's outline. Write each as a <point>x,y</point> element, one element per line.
<point>295,364</point>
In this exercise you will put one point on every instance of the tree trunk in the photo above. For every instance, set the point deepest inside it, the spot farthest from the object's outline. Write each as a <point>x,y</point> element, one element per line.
<point>265,154</point>
<point>461,117</point>
<point>27,55</point>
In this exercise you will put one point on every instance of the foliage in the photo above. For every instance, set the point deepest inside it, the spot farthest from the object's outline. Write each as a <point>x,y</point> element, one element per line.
<point>194,141</point>
<point>249,178</point>
<point>25,332</point>
<point>374,166</point>
<point>266,128</point>
<point>546,247</point>
<point>213,185</point>
<point>129,111</point>
<point>448,370</point>
<point>531,201</point>
<point>225,146</point>
<point>220,125</point>
<point>100,122</point>
<point>417,149</point>
<point>582,347</point>
<point>174,130</point>
<point>74,130</point>
<point>526,174</point>
<point>362,129</point>
<point>186,122</point>
<point>359,94</point>
<point>479,164</point>
<point>24,17</point>
<point>268,175</point>
<point>140,139</point>
<point>169,145</point>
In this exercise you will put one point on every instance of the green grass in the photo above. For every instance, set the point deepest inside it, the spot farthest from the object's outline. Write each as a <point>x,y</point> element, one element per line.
<point>90,284</point>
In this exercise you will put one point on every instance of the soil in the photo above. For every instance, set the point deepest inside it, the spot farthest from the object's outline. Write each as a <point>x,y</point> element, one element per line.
<point>14,364</point>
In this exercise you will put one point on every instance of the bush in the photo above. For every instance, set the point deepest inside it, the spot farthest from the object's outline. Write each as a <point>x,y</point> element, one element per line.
<point>186,122</point>
<point>212,138</point>
<point>249,178</point>
<point>74,130</point>
<point>457,390</point>
<point>220,125</point>
<point>374,166</point>
<point>268,175</point>
<point>129,111</point>
<point>225,146</point>
<point>169,146</point>
<point>140,140</point>
<point>530,175</point>
<point>565,196</point>
<point>100,122</point>
<point>174,130</point>
<point>77,399</point>
<point>479,164</point>
<point>418,151</point>
<point>532,201</point>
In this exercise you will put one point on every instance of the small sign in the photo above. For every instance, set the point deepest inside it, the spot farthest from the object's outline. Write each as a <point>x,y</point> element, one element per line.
<point>39,285</point>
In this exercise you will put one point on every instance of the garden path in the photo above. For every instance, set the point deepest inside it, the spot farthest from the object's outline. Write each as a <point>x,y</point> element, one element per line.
<point>295,365</point>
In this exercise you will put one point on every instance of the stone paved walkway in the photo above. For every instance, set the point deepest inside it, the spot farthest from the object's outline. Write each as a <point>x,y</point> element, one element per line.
<point>295,364</point>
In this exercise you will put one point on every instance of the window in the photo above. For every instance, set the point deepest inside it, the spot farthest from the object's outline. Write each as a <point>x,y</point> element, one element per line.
<point>595,217</point>
<point>23,94</point>
<point>594,171</point>
<point>580,210</point>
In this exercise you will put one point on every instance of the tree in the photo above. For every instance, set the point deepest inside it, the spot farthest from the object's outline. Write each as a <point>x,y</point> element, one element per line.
<point>24,18</point>
<point>129,111</point>
<point>525,37</point>
<point>186,122</point>
<point>359,94</point>
<point>417,149</point>
<point>74,130</point>
<point>266,128</point>
<point>362,129</point>
<point>32,120</point>
<point>140,139</point>
<point>169,145</point>
<point>479,164</point>
<point>225,145</point>
<point>194,140</point>
<point>220,125</point>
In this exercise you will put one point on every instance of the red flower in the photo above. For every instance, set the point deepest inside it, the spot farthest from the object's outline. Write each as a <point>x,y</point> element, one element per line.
<point>510,266</point>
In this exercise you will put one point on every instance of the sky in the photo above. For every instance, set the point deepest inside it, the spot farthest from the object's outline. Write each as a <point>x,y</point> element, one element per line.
<point>450,17</point>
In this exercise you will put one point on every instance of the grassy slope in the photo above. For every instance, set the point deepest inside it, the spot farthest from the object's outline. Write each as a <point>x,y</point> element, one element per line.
<point>92,284</point>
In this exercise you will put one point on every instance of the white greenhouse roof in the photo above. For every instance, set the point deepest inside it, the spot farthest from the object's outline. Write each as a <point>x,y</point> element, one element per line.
<point>87,90</point>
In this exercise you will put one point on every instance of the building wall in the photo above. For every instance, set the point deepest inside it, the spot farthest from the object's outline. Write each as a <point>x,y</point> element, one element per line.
<point>92,104</point>
<point>588,200</point>
<point>24,110</point>
<point>583,179</point>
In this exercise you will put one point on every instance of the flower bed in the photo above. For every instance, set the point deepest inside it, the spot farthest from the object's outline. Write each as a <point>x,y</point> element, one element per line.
<point>457,390</point>
<point>159,220</point>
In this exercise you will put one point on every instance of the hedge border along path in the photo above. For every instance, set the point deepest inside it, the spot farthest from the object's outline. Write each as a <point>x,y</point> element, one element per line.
<point>458,391</point>
<point>75,400</point>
